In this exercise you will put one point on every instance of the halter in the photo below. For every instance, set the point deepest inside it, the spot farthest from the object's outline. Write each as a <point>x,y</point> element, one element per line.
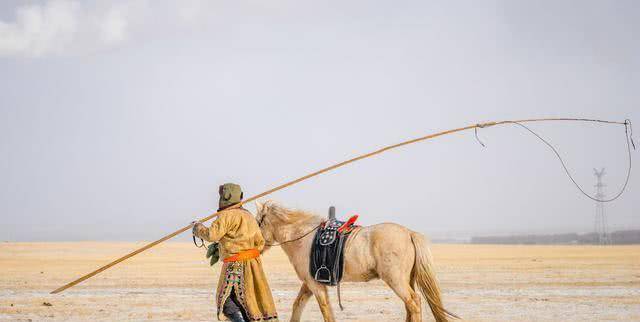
<point>261,220</point>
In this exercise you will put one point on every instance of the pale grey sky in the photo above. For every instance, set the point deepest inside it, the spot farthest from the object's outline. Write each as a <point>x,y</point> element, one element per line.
<point>118,120</point>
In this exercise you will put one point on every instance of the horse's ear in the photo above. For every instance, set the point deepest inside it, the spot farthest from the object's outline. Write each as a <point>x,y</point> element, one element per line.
<point>259,206</point>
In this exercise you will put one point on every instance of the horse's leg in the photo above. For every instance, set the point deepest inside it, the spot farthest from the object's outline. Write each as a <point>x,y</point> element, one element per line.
<point>298,305</point>
<point>322,296</point>
<point>405,292</point>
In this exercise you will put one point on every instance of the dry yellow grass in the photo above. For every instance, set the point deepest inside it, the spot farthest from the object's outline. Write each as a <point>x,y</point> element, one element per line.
<point>173,282</point>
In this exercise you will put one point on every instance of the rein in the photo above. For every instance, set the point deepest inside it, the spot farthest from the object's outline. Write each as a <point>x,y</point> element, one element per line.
<point>295,239</point>
<point>291,240</point>
<point>196,243</point>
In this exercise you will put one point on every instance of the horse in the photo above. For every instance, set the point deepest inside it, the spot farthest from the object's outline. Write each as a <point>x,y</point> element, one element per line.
<point>388,251</point>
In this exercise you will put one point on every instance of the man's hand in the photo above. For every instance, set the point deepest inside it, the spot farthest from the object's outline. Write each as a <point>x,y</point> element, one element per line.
<point>199,230</point>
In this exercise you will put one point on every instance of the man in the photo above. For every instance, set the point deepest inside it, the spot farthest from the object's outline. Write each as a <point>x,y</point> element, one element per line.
<point>243,292</point>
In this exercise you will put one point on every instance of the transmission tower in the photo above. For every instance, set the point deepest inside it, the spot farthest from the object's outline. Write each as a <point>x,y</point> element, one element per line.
<point>600,222</point>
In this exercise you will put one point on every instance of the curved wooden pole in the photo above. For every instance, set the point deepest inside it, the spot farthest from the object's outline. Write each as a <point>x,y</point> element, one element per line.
<point>313,174</point>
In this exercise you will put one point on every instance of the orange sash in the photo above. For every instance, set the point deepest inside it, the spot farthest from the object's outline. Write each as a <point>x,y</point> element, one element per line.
<point>243,256</point>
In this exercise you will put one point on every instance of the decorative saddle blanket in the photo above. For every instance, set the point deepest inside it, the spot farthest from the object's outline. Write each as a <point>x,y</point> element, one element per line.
<point>326,262</point>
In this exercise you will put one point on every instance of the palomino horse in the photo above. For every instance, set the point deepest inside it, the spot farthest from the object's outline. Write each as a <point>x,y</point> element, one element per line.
<point>393,253</point>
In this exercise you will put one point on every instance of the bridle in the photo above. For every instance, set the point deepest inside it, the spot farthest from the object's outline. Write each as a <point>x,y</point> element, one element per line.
<point>261,221</point>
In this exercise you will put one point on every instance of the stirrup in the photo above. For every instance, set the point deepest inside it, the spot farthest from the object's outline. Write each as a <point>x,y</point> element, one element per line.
<point>321,278</point>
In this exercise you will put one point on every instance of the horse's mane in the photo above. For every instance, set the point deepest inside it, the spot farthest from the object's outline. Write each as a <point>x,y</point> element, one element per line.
<point>289,216</point>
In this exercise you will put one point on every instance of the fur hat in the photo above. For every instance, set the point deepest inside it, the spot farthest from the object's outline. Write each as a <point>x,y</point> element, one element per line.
<point>230,194</point>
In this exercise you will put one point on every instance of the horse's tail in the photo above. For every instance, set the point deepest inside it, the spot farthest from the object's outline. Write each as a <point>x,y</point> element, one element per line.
<point>425,276</point>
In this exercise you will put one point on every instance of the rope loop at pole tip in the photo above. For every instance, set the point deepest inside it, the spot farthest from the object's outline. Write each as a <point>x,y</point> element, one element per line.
<point>626,123</point>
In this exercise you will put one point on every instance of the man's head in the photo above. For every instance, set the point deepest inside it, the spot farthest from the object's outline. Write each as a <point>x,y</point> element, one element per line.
<point>230,194</point>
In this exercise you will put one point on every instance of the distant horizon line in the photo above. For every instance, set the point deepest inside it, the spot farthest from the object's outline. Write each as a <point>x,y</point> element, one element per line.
<point>462,236</point>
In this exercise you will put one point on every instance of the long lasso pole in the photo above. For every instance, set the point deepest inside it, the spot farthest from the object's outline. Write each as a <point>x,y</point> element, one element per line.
<point>626,123</point>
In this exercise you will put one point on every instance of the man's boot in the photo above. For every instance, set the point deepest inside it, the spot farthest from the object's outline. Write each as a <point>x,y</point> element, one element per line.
<point>236,317</point>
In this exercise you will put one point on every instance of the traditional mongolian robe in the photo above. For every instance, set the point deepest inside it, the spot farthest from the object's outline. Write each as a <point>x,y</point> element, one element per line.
<point>240,243</point>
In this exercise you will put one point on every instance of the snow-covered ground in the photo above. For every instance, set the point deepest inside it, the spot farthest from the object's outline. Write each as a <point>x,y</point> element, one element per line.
<point>173,282</point>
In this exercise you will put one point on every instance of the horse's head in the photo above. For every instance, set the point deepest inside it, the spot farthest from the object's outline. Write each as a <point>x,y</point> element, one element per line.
<point>279,224</point>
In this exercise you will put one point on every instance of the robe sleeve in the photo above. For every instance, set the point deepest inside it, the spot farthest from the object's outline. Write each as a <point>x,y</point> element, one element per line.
<point>218,229</point>
<point>259,242</point>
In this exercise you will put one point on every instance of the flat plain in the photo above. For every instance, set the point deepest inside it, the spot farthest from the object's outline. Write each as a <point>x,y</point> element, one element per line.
<point>173,282</point>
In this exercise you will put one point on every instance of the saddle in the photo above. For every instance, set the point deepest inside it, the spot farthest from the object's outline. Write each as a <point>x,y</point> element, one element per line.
<point>327,256</point>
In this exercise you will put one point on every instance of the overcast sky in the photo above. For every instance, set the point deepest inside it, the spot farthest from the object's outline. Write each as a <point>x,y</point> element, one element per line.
<point>119,119</point>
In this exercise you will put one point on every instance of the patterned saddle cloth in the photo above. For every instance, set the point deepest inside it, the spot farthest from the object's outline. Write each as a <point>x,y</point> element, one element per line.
<point>327,258</point>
